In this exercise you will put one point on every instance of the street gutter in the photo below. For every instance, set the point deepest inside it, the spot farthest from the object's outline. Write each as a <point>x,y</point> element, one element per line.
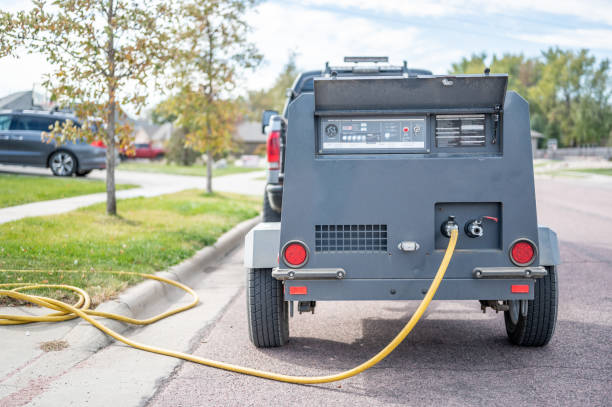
<point>137,300</point>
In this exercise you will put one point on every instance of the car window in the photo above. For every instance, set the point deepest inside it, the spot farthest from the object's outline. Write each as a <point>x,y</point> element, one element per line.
<point>5,122</point>
<point>38,123</point>
<point>17,123</point>
<point>140,145</point>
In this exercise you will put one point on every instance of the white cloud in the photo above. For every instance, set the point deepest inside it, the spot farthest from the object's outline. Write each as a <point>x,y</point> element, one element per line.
<point>319,36</point>
<point>588,10</point>
<point>579,38</point>
<point>22,73</point>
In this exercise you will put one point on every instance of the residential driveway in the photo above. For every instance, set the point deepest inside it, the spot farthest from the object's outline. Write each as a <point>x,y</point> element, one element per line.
<point>151,184</point>
<point>455,356</point>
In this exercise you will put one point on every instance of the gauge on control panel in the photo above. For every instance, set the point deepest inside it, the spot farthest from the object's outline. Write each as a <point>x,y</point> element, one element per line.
<point>331,130</point>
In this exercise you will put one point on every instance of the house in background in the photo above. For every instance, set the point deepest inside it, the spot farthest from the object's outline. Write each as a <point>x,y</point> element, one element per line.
<point>249,137</point>
<point>535,136</point>
<point>146,132</point>
<point>26,100</point>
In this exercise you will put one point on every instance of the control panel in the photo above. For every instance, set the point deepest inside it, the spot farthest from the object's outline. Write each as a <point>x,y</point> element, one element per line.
<point>343,135</point>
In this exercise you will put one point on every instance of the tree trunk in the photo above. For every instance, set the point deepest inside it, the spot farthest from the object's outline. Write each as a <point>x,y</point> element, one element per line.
<point>209,168</point>
<point>111,199</point>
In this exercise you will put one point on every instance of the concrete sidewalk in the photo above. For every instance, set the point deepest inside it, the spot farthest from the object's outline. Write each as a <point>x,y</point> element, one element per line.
<point>115,375</point>
<point>152,184</point>
<point>71,363</point>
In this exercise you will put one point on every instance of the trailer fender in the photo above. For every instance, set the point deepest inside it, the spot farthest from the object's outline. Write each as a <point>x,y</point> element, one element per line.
<point>549,247</point>
<point>262,246</point>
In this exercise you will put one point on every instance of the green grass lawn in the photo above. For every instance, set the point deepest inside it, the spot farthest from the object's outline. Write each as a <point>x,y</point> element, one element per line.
<point>150,235</point>
<point>20,189</point>
<point>598,171</point>
<point>576,172</point>
<point>196,169</point>
<point>541,163</point>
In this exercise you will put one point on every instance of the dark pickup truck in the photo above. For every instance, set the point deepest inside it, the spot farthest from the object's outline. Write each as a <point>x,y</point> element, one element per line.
<point>274,125</point>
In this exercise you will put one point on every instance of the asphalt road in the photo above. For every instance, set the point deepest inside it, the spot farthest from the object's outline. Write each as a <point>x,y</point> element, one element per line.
<point>455,356</point>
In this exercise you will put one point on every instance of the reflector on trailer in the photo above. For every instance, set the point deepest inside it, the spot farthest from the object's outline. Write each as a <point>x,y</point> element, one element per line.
<point>520,288</point>
<point>295,254</point>
<point>298,290</point>
<point>522,253</point>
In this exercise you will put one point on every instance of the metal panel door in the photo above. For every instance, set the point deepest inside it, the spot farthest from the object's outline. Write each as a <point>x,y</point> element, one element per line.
<point>26,140</point>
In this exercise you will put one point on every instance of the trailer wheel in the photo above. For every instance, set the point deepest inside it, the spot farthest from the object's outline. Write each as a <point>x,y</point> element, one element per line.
<point>538,326</point>
<point>269,214</point>
<point>267,311</point>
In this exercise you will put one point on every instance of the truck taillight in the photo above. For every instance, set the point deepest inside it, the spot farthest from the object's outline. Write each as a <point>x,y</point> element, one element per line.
<point>273,148</point>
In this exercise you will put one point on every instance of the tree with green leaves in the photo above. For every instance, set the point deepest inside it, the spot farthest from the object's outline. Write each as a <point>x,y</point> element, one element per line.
<point>212,52</point>
<point>568,92</point>
<point>273,98</point>
<point>573,94</point>
<point>104,53</point>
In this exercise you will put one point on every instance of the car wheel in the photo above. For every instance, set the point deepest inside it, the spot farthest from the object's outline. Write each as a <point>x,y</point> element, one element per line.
<point>62,163</point>
<point>82,173</point>
<point>537,326</point>
<point>267,312</point>
<point>269,214</point>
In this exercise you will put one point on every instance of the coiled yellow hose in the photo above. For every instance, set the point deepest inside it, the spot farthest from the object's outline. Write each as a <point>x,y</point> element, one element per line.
<point>80,309</point>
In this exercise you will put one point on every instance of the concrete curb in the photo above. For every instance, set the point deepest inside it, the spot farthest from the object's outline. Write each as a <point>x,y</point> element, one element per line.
<point>136,300</point>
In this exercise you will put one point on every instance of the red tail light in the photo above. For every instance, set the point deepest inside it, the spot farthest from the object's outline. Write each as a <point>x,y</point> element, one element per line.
<point>522,252</point>
<point>295,254</point>
<point>273,148</point>
<point>98,143</point>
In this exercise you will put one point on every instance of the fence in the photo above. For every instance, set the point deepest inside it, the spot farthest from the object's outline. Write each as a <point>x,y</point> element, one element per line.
<point>568,153</point>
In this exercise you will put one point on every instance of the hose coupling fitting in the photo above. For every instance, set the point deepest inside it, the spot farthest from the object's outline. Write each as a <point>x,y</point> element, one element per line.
<point>448,226</point>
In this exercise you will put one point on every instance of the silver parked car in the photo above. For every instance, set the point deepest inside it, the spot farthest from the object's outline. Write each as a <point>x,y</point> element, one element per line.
<point>21,143</point>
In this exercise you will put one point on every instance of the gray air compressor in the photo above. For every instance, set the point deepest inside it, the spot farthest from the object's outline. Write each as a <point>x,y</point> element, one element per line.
<point>378,171</point>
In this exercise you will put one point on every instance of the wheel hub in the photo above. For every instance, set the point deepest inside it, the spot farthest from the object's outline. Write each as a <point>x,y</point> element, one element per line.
<point>62,163</point>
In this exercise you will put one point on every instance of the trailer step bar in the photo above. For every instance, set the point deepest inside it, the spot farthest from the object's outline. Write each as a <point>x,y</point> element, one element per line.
<point>309,274</point>
<point>509,272</point>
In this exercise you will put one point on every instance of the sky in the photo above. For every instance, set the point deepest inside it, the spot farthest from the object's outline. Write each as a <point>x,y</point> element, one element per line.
<point>427,34</point>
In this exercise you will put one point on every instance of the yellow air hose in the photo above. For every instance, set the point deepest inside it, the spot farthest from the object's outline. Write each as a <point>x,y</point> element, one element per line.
<point>80,309</point>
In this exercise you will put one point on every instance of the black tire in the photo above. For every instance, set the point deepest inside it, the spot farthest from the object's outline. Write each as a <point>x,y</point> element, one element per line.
<point>82,173</point>
<point>267,312</point>
<point>269,214</point>
<point>63,163</point>
<point>538,327</point>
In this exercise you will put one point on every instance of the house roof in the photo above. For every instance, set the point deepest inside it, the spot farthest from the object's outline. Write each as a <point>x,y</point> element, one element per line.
<point>249,132</point>
<point>18,100</point>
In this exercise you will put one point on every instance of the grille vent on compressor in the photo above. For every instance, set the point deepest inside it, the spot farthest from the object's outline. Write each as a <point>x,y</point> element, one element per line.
<point>350,238</point>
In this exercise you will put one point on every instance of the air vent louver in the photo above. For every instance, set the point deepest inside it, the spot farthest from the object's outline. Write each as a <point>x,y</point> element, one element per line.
<point>351,238</point>
<point>460,130</point>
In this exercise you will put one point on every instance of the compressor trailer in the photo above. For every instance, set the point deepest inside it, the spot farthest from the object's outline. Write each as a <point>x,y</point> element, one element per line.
<point>378,171</point>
